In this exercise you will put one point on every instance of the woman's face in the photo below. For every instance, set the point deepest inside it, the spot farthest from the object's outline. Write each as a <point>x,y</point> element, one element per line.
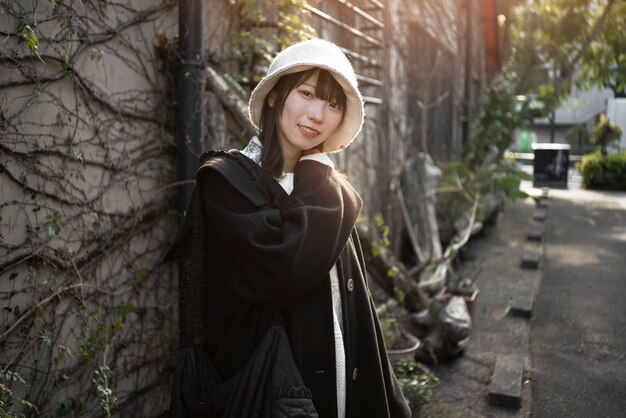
<point>307,121</point>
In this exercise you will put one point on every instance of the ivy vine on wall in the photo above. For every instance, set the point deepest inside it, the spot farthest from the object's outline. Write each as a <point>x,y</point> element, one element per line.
<point>88,324</point>
<point>87,320</point>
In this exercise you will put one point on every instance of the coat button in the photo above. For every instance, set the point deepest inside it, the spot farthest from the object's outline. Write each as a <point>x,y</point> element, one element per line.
<point>350,285</point>
<point>355,373</point>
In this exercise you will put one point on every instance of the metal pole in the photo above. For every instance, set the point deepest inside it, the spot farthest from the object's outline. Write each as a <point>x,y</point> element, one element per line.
<point>189,119</point>
<point>189,103</point>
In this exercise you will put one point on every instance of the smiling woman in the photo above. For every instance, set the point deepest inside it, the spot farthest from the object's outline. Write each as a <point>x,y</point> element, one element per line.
<point>309,114</point>
<point>270,233</point>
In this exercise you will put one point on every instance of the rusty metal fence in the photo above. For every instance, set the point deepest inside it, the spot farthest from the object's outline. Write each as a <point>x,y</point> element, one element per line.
<point>358,28</point>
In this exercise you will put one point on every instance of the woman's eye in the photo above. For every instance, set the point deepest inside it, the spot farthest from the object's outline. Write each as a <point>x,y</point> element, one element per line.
<point>306,93</point>
<point>335,106</point>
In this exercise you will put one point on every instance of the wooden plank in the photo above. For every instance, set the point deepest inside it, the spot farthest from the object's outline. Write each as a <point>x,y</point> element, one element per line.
<point>343,26</point>
<point>361,13</point>
<point>369,80</point>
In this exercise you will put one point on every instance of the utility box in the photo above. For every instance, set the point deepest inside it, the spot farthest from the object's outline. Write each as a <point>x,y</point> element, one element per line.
<point>550,165</point>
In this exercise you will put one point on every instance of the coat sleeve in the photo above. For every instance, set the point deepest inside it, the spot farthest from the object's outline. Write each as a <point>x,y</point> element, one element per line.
<point>283,251</point>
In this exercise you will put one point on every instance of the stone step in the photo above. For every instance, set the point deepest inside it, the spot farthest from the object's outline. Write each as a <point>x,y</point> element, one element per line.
<point>541,202</point>
<point>530,260</point>
<point>523,302</point>
<point>535,231</point>
<point>540,214</point>
<point>506,382</point>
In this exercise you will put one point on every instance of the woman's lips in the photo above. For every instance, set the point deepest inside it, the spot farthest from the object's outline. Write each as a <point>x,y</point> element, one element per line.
<point>308,131</point>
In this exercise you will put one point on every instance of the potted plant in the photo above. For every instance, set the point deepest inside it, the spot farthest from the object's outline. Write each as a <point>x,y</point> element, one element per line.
<point>469,294</point>
<point>401,345</point>
<point>462,286</point>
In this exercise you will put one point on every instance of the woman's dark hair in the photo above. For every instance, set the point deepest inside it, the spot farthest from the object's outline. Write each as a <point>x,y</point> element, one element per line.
<point>327,88</point>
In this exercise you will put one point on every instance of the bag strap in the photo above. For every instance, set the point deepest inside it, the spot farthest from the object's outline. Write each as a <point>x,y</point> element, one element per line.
<point>192,331</point>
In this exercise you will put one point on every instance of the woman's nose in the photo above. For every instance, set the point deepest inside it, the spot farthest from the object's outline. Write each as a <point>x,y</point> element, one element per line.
<point>316,110</point>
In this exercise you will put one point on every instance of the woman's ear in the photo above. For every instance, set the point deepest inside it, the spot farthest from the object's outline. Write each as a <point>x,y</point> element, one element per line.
<point>271,98</point>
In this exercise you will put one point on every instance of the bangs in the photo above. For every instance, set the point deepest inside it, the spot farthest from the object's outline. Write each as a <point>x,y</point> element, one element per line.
<point>329,89</point>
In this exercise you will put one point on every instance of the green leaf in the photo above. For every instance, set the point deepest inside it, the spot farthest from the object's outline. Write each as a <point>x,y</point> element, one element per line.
<point>96,54</point>
<point>31,41</point>
<point>507,183</point>
<point>392,272</point>
<point>168,139</point>
<point>484,175</point>
<point>124,309</point>
<point>78,155</point>
<point>47,337</point>
<point>71,407</point>
<point>31,274</point>
<point>139,274</point>
<point>59,122</point>
<point>52,225</point>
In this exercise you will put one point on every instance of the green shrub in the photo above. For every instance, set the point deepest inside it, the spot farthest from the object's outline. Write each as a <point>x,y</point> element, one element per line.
<point>419,384</point>
<point>603,172</point>
<point>605,133</point>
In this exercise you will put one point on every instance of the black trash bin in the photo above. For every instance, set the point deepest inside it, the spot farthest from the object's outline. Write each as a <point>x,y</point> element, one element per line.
<point>550,165</point>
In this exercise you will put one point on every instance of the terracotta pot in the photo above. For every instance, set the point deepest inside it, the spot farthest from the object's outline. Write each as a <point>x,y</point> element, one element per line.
<point>469,295</point>
<point>408,352</point>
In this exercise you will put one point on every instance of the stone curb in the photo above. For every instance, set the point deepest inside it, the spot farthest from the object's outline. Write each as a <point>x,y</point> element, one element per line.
<point>535,231</point>
<point>522,304</point>
<point>540,214</point>
<point>506,382</point>
<point>530,259</point>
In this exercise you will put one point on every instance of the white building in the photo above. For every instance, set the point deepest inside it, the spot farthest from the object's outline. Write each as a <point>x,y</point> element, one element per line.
<point>581,107</point>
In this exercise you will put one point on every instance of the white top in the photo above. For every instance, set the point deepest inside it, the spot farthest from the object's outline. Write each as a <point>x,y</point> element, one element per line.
<point>253,151</point>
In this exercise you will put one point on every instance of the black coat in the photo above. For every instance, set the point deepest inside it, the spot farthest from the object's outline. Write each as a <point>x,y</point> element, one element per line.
<point>269,251</point>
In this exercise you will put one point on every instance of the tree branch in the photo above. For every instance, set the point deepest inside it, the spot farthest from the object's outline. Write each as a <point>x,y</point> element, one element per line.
<point>231,100</point>
<point>567,69</point>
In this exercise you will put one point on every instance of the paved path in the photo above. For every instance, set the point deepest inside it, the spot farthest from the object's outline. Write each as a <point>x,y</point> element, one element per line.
<point>573,349</point>
<point>578,331</point>
<point>497,251</point>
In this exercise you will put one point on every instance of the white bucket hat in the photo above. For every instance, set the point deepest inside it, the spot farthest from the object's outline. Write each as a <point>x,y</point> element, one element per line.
<point>301,57</point>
